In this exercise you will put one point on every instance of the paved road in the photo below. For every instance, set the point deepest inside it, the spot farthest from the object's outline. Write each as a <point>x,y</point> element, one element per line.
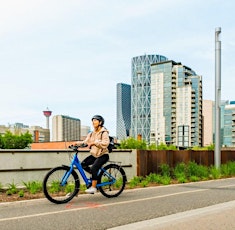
<point>202,205</point>
<point>219,216</point>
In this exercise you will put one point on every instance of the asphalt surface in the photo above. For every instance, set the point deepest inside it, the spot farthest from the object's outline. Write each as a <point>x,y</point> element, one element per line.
<point>200,205</point>
<point>220,216</point>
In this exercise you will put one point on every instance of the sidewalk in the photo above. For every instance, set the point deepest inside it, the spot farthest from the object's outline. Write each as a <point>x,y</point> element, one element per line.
<point>219,216</point>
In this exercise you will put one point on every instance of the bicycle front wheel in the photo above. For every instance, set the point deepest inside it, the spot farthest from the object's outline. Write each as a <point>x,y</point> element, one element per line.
<point>53,189</point>
<point>116,178</point>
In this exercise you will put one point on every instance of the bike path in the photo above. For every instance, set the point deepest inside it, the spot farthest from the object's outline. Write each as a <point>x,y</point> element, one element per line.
<point>219,216</point>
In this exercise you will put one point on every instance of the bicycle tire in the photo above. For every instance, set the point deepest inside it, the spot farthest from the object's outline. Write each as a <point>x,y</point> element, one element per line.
<point>52,188</point>
<point>116,188</point>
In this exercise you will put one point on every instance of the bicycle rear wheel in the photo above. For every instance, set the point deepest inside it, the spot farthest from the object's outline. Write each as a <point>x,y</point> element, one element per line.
<point>112,173</point>
<point>54,191</point>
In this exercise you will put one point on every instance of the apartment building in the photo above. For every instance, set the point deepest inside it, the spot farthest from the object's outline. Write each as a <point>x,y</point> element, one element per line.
<point>65,128</point>
<point>176,105</point>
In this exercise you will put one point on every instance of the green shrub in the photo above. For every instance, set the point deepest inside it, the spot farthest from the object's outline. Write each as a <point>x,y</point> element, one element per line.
<point>162,146</point>
<point>69,188</point>
<point>55,187</point>
<point>192,168</point>
<point>132,143</point>
<point>225,171</point>
<point>33,186</point>
<point>194,178</point>
<point>135,181</point>
<point>202,172</point>
<point>180,169</point>
<point>214,172</point>
<point>165,170</point>
<point>231,167</point>
<point>83,187</point>
<point>153,178</point>
<point>165,180</point>
<point>211,147</point>
<point>144,183</point>
<point>21,193</point>
<point>12,189</point>
<point>181,178</point>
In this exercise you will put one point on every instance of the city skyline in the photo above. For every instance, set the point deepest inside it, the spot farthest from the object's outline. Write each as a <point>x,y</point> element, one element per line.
<point>69,56</point>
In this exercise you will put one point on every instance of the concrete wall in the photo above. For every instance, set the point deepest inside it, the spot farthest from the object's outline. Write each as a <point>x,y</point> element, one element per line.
<point>18,166</point>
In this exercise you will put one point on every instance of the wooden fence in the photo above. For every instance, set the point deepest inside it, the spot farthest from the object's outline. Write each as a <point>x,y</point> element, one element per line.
<point>149,161</point>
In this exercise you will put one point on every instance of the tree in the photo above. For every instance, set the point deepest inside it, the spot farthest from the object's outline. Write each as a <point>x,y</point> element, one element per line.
<point>1,142</point>
<point>11,141</point>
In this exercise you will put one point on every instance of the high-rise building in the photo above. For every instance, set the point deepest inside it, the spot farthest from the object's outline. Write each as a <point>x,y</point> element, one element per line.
<point>123,111</point>
<point>229,125</point>
<point>65,128</point>
<point>176,105</point>
<point>141,94</point>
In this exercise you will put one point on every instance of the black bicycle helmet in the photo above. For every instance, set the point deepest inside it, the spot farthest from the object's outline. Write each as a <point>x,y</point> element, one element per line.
<point>99,118</point>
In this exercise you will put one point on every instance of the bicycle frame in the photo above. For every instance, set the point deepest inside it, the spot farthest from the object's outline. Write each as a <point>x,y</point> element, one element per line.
<point>75,162</point>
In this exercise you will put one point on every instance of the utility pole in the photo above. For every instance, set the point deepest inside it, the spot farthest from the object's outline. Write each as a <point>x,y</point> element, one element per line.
<point>217,153</point>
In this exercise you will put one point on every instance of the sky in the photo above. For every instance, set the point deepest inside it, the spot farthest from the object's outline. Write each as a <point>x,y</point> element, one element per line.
<point>70,55</point>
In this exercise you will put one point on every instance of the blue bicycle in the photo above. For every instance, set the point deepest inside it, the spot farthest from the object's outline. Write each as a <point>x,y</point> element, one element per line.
<point>62,183</point>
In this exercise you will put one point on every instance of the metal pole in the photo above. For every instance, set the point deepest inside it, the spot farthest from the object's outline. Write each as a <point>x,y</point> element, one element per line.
<point>217,153</point>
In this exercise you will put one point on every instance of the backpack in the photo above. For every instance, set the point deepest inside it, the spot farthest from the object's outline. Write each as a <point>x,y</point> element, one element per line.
<point>111,145</point>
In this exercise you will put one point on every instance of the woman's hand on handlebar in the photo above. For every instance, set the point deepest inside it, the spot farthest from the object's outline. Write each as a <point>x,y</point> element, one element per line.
<point>76,146</point>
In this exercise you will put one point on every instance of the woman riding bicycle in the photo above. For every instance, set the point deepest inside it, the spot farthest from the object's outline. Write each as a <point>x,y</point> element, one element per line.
<point>98,142</point>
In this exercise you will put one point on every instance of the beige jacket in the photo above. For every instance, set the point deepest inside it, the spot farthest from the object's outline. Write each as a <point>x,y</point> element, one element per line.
<point>101,140</point>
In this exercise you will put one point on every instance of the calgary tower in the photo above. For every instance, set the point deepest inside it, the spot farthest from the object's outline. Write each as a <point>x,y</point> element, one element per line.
<point>47,113</point>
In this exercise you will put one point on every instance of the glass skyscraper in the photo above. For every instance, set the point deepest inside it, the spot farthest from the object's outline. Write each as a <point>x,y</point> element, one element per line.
<point>123,110</point>
<point>141,94</point>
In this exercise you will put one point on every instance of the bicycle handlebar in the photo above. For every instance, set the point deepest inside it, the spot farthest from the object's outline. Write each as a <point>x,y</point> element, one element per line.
<point>75,147</point>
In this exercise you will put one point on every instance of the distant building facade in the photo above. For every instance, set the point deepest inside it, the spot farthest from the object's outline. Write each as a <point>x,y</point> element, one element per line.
<point>84,131</point>
<point>65,128</point>
<point>38,133</point>
<point>229,125</point>
<point>208,118</point>
<point>123,111</point>
<point>176,105</point>
<point>141,94</point>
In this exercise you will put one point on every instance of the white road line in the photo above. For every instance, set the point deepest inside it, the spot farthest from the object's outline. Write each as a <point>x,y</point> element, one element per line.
<point>98,206</point>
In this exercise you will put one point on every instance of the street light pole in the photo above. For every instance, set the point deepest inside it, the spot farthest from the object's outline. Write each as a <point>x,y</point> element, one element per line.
<point>217,153</point>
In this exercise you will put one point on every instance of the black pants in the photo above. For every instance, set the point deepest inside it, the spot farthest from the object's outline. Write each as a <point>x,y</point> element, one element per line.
<point>96,164</point>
